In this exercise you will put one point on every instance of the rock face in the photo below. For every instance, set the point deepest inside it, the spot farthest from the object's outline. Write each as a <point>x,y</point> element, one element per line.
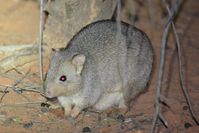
<point>64,18</point>
<point>67,17</point>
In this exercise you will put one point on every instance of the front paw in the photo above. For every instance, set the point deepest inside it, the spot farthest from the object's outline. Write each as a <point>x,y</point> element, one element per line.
<point>75,112</point>
<point>55,106</point>
<point>67,111</point>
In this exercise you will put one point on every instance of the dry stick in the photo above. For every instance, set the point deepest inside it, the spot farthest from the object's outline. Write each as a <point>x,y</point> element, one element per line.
<point>4,93</point>
<point>162,60</point>
<point>12,48</point>
<point>19,81</point>
<point>160,76</point>
<point>24,89</point>
<point>151,12</point>
<point>181,72</point>
<point>119,30</point>
<point>18,104</point>
<point>182,79</point>
<point>41,40</point>
<point>118,19</point>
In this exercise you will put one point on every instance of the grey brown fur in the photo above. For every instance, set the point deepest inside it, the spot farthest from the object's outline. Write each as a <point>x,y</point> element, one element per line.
<point>101,69</point>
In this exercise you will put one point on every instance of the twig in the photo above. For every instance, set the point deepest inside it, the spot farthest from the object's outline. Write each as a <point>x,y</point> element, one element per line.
<point>181,72</point>
<point>151,12</point>
<point>164,100</point>
<point>17,58</point>
<point>44,122</point>
<point>118,19</point>
<point>18,82</point>
<point>163,120</point>
<point>18,104</point>
<point>182,78</point>
<point>41,39</point>
<point>11,48</point>
<point>162,60</point>
<point>160,76</point>
<point>4,93</point>
<point>31,89</point>
<point>27,88</point>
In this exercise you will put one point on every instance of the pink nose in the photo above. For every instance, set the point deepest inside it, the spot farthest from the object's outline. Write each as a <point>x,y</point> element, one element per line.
<point>48,92</point>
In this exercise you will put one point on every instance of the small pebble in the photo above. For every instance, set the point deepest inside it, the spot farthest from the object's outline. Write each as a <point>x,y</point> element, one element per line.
<point>121,118</point>
<point>164,14</point>
<point>86,130</point>
<point>28,125</point>
<point>136,18</point>
<point>45,105</point>
<point>187,125</point>
<point>44,109</point>
<point>122,127</point>
<point>185,108</point>
<point>99,118</point>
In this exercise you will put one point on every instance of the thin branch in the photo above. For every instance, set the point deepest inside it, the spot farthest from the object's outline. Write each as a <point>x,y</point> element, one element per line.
<point>182,79</point>
<point>27,88</point>
<point>151,12</point>
<point>18,82</point>
<point>19,104</point>
<point>163,120</point>
<point>12,48</point>
<point>4,93</point>
<point>16,58</point>
<point>162,61</point>
<point>118,19</point>
<point>160,76</point>
<point>164,99</point>
<point>181,72</point>
<point>31,89</point>
<point>41,39</point>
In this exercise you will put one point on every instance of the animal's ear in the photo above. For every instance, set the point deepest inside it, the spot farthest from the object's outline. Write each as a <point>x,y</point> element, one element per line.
<point>53,49</point>
<point>55,52</point>
<point>78,61</point>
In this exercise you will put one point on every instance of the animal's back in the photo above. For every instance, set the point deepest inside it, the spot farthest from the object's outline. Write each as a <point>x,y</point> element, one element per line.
<point>97,39</point>
<point>125,61</point>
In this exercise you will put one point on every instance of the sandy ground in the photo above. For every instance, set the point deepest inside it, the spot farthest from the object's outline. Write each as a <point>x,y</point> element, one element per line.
<point>26,111</point>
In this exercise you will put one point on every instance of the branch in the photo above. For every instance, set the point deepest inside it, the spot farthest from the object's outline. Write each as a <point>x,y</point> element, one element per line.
<point>151,12</point>
<point>41,39</point>
<point>4,93</point>
<point>17,56</point>
<point>160,76</point>
<point>11,48</point>
<point>162,60</point>
<point>182,78</point>
<point>18,104</point>
<point>181,73</point>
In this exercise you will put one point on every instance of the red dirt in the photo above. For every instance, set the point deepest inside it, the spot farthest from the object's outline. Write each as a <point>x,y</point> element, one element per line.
<point>23,112</point>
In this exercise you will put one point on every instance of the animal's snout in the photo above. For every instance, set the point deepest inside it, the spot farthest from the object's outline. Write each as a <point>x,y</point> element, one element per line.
<point>48,93</point>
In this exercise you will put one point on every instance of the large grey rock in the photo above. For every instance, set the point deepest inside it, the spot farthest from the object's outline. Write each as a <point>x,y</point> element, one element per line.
<point>67,17</point>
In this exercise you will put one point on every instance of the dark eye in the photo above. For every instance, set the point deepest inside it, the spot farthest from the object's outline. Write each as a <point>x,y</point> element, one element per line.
<point>63,78</point>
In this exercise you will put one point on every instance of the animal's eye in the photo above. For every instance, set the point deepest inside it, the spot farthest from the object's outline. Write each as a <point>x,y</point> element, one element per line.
<point>63,78</point>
